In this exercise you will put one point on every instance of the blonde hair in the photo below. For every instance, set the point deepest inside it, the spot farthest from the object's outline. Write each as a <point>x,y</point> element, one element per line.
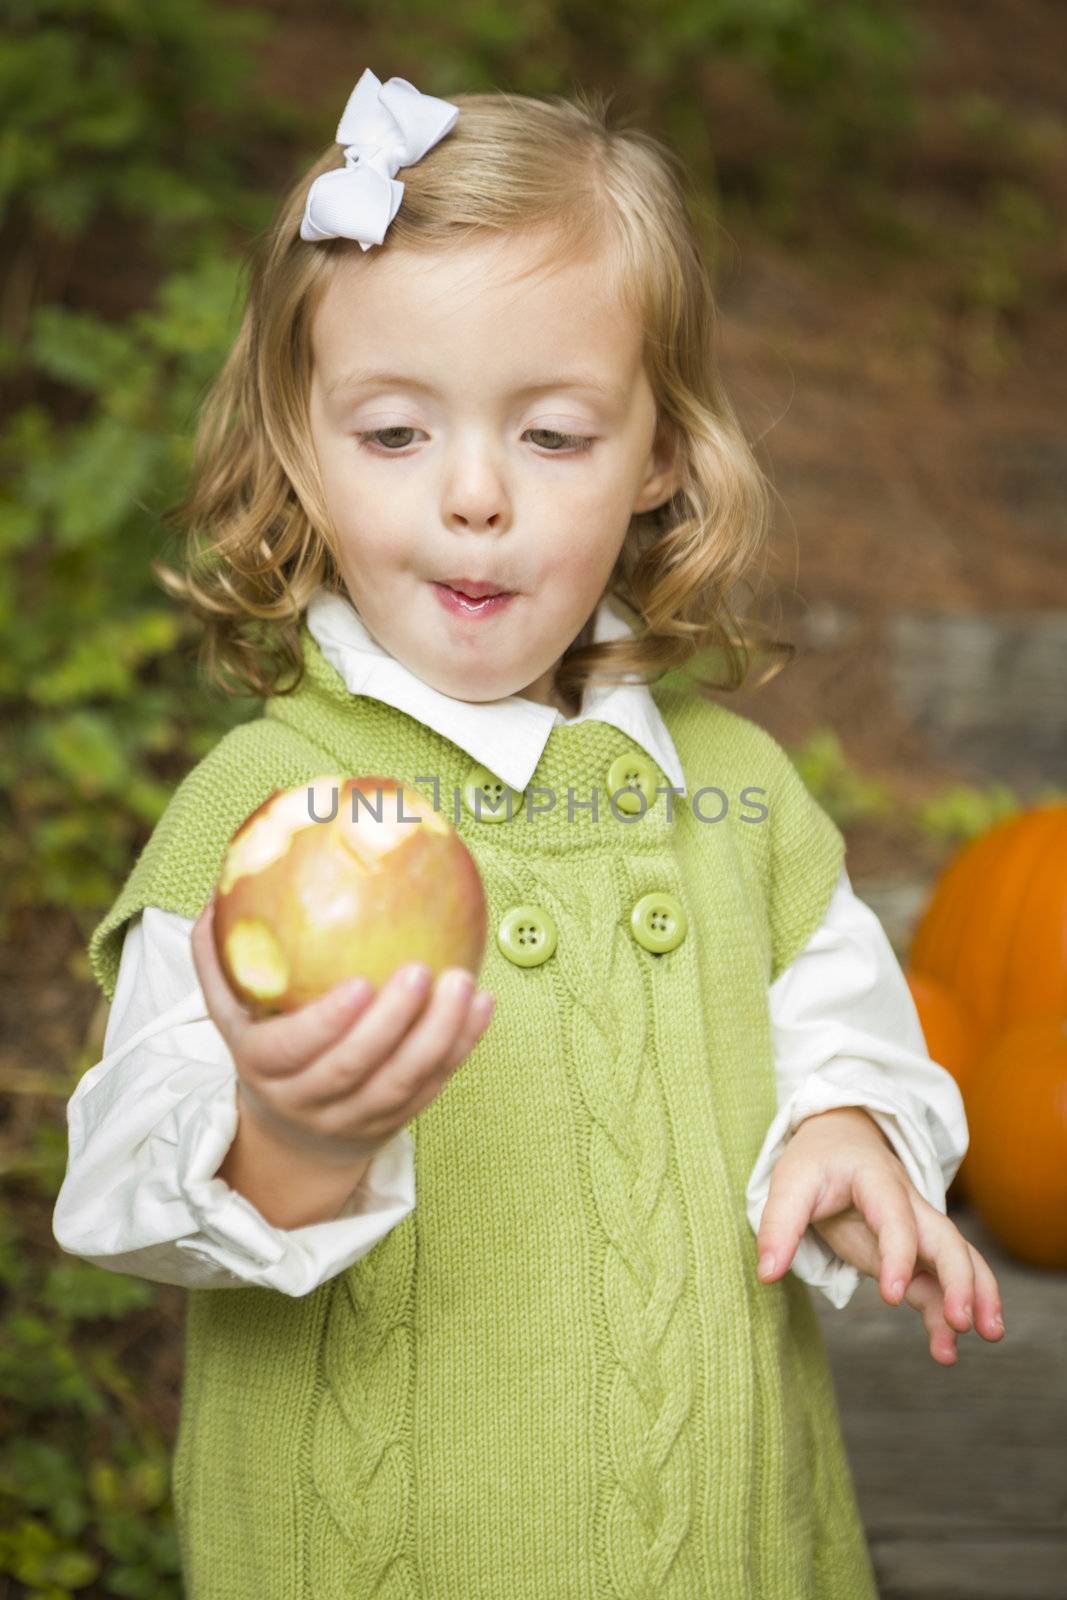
<point>258,536</point>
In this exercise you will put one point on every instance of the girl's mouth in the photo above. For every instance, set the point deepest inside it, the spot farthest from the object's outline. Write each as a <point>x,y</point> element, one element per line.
<point>461,605</point>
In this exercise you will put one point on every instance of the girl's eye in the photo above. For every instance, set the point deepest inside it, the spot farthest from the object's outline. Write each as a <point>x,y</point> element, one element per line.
<point>571,441</point>
<point>381,433</point>
<point>565,441</point>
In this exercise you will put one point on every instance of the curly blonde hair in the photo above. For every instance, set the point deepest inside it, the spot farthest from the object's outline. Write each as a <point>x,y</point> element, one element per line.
<point>258,537</point>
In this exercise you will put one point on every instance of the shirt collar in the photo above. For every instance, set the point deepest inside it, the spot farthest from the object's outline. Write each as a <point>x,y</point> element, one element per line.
<point>506,735</point>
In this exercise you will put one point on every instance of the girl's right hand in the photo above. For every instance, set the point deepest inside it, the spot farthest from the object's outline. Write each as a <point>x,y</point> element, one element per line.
<point>338,1077</point>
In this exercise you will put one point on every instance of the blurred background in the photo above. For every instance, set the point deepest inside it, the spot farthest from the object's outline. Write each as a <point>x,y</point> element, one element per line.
<point>882,189</point>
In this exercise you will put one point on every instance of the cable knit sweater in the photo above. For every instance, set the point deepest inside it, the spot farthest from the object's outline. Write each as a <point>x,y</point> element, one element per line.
<point>559,1376</point>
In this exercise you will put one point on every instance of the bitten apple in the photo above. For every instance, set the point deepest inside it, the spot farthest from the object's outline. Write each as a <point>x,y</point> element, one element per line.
<point>303,904</point>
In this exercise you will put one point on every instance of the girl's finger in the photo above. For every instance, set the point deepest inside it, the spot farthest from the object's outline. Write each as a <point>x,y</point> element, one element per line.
<point>468,1038</point>
<point>478,1017</point>
<point>388,1082</point>
<point>888,1212</point>
<point>351,1059</point>
<point>397,1091</point>
<point>389,1095</point>
<point>477,1020</point>
<point>792,1199</point>
<point>924,1293</point>
<point>988,1314</point>
<point>281,1047</point>
<point>944,1247</point>
<point>421,1056</point>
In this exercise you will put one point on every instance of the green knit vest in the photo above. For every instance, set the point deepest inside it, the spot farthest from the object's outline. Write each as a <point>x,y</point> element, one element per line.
<point>558,1378</point>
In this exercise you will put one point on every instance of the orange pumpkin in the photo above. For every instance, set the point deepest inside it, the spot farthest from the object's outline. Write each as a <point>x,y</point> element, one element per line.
<point>1016,1164</point>
<point>995,928</point>
<point>951,1035</point>
<point>952,1039</point>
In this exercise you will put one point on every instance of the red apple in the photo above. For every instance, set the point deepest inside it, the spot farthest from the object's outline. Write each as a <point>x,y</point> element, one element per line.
<point>303,903</point>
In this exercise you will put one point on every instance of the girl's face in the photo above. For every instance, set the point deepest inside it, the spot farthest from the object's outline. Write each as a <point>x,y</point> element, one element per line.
<point>468,427</point>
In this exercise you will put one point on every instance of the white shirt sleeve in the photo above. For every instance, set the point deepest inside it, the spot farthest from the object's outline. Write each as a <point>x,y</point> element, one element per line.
<point>149,1125</point>
<point>846,1032</point>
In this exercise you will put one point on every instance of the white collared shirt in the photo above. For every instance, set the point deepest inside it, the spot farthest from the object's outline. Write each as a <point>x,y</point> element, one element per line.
<point>150,1123</point>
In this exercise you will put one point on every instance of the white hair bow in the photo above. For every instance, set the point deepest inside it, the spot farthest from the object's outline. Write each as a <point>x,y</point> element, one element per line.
<point>384,127</point>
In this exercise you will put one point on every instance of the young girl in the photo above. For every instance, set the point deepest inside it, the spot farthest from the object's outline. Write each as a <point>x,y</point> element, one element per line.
<point>559,1373</point>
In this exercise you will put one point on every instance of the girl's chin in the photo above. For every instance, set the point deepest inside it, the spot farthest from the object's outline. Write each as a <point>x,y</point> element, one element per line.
<point>470,681</point>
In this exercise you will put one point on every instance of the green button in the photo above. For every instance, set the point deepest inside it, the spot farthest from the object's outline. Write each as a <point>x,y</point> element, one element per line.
<point>526,935</point>
<point>486,798</point>
<point>632,771</point>
<point>658,922</point>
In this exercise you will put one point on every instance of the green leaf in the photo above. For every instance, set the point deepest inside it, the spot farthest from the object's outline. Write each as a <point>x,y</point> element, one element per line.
<point>34,1555</point>
<point>40,1372</point>
<point>80,1291</point>
<point>78,348</point>
<point>103,661</point>
<point>45,1477</point>
<point>83,749</point>
<point>108,465</point>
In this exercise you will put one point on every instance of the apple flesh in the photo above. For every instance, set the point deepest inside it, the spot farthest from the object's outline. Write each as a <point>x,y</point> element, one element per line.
<point>302,904</point>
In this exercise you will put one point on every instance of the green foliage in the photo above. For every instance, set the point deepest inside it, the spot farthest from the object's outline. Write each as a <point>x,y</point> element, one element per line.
<point>961,813</point>
<point>839,73</point>
<point>84,1486</point>
<point>127,110</point>
<point>133,126</point>
<point>99,681</point>
<point>847,795</point>
<point>952,817</point>
<point>128,128</point>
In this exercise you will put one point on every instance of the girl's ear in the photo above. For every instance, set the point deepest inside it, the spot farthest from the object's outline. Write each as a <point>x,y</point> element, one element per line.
<point>661,480</point>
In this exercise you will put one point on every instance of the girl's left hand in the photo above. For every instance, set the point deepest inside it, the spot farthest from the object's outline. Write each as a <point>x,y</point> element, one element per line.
<point>840,1173</point>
